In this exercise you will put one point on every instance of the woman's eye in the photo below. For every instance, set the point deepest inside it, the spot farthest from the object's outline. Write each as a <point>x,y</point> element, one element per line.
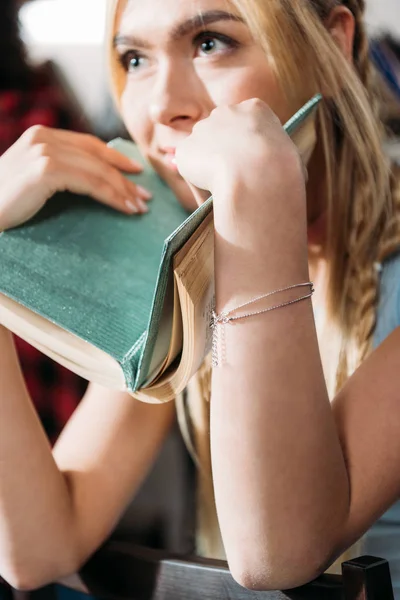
<point>212,44</point>
<point>208,46</point>
<point>132,61</point>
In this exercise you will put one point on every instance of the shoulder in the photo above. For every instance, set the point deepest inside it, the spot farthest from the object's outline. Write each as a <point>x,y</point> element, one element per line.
<point>388,313</point>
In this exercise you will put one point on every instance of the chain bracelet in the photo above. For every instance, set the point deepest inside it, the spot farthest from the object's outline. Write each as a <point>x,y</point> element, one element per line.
<point>218,322</point>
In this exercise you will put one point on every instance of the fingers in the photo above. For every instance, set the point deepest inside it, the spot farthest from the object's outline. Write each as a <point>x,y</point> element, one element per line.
<point>119,161</point>
<point>60,152</point>
<point>132,198</point>
<point>199,195</point>
<point>80,180</point>
<point>96,147</point>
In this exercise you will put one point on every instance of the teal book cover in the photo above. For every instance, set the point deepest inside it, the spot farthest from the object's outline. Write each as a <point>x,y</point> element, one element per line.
<point>87,285</point>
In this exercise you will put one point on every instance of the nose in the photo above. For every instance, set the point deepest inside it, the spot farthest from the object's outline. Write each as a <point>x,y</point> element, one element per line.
<point>179,97</point>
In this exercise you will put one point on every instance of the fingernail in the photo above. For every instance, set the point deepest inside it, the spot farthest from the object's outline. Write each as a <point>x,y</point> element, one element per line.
<point>143,192</point>
<point>131,207</point>
<point>142,205</point>
<point>137,165</point>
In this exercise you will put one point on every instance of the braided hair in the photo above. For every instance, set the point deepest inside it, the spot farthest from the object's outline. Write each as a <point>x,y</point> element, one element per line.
<point>361,187</point>
<point>367,250</point>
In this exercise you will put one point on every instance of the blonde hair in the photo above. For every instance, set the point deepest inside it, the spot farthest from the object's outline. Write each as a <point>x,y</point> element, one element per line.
<point>116,72</point>
<point>361,188</point>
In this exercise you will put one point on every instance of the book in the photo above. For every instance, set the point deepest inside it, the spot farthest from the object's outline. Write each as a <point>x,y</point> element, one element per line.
<point>124,301</point>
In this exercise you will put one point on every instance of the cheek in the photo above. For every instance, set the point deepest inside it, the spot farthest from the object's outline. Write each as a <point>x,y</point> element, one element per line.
<point>134,114</point>
<point>257,81</point>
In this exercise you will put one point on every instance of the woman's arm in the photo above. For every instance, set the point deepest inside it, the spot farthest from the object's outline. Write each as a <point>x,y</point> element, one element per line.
<point>56,509</point>
<point>295,480</point>
<point>281,484</point>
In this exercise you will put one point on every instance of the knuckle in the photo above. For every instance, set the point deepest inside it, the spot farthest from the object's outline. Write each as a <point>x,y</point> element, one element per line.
<point>115,179</point>
<point>274,117</point>
<point>106,190</point>
<point>102,151</point>
<point>109,155</point>
<point>94,139</point>
<point>47,165</point>
<point>42,149</point>
<point>258,103</point>
<point>256,106</point>
<point>95,142</point>
<point>130,186</point>
<point>35,134</point>
<point>248,104</point>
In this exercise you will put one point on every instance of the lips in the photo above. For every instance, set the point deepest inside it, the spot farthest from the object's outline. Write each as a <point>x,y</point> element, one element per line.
<point>169,157</point>
<point>168,150</point>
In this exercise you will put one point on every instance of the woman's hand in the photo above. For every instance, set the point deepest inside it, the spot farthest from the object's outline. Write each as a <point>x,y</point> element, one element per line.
<point>241,148</point>
<point>244,157</point>
<point>44,161</point>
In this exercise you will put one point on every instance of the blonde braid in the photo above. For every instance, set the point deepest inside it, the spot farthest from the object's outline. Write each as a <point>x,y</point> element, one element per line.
<point>362,281</point>
<point>390,242</point>
<point>366,248</point>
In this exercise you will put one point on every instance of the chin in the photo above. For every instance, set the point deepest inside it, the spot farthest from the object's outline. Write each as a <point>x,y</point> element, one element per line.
<point>180,188</point>
<point>177,184</point>
<point>186,198</point>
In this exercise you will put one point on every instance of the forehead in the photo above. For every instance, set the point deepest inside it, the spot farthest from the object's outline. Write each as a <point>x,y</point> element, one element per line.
<point>163,15</point>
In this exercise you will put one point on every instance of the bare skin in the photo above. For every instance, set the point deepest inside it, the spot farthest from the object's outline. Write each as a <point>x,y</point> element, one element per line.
<point>272,433</point>
<point>44,161</point>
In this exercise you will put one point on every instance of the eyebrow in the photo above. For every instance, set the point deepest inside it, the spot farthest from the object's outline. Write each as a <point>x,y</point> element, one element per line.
<point>199,21</point>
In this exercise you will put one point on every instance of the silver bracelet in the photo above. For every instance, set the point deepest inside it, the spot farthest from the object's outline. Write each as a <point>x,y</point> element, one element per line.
<point>218,322</point>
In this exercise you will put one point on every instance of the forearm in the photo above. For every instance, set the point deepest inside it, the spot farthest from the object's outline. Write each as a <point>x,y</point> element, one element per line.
<point>278,467</point>
<point>34,499</point>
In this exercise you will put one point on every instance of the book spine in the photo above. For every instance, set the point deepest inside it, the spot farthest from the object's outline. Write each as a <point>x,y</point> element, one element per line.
<point>131,362</point>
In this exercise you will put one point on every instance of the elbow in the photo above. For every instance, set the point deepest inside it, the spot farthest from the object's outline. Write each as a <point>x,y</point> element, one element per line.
<point>33,573</point>
<point>277,571</point>
<point>282,558</point>
<point>23,580</point>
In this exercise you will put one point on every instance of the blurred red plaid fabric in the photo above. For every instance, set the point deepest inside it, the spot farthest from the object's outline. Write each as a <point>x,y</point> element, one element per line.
<point>43,102</point>
<point>54,390</point>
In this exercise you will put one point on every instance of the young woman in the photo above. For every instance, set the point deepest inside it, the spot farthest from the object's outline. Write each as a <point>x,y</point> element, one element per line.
<point>203,87</point>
